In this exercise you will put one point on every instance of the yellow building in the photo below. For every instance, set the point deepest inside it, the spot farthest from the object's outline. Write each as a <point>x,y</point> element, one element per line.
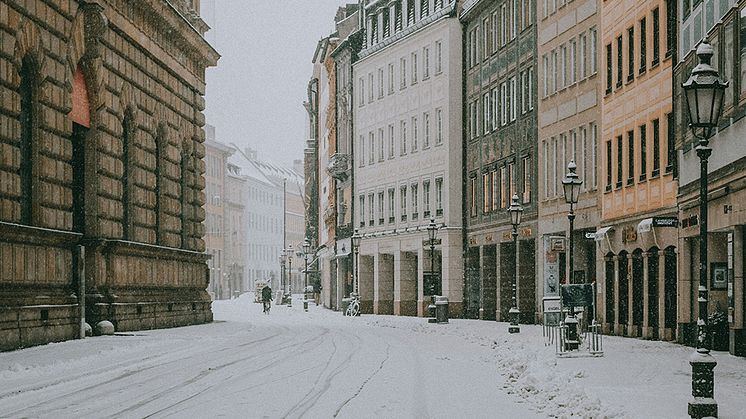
<point>636,254</point>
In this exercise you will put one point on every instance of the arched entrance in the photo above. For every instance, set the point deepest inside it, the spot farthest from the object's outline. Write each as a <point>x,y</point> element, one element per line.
<point>669,292</point>
<point>609,285</point>
<point>653,265</point>
<point>638,288</point>
<point>623,297</point>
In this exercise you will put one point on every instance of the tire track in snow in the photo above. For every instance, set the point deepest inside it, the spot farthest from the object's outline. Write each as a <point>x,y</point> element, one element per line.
<point>370,377</point>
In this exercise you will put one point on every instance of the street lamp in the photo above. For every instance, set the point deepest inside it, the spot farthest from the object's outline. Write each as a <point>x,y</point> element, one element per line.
<point>704,92</point>
<point>571,185</point>
<point>306,252</point>
<point>432,234</point>
<point>283,258</point>
<point>356,237</point>
<point>516,211</point>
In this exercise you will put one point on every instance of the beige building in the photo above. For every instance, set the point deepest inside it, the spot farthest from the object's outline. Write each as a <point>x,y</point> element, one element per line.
<point>407,155</point>
<point>637,253</point>
<point>569,127</point>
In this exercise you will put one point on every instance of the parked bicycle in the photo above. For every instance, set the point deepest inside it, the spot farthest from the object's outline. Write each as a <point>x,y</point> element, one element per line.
<point>354,308</point>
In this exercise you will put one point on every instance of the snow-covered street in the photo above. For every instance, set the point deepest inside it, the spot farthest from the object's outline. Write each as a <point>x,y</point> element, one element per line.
<point>320,364</point>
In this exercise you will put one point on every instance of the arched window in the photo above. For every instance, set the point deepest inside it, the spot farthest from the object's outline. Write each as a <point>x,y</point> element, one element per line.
<point>80,115</point>
<point>127,134</point>
<point>27,119</point>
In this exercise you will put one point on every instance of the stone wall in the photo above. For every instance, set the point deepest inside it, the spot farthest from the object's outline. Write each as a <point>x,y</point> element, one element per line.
<point>140,165</point>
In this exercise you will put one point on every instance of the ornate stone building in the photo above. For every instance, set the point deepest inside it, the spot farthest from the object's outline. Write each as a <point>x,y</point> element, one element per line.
<point>500,142</point>
<point>101,170</point>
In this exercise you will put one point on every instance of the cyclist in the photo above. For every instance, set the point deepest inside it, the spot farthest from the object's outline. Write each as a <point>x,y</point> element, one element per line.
<point>266,298</point>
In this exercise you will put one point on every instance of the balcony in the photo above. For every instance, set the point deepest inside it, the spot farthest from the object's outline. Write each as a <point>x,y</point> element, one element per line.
<point>339,166</point>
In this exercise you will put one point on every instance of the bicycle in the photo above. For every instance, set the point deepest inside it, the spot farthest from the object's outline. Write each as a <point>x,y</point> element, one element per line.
<point>353,309</point>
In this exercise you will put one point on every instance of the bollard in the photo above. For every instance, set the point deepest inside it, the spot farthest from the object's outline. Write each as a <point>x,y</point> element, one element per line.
<point>441,309</point>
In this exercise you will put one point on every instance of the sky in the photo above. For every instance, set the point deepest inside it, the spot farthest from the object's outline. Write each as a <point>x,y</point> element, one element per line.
<point>255,94</point>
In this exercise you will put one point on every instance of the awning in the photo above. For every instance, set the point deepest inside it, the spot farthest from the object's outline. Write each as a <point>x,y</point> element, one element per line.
<point>645,226</point>
<point>602,232</point>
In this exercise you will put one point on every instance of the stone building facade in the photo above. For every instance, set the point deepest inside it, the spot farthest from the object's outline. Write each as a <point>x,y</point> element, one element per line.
<point>500,145</point>
<point>408,155</point>
<point>637,254</point>
<point>216,232</point>
<point>101,151</point>
<point>569,92</point>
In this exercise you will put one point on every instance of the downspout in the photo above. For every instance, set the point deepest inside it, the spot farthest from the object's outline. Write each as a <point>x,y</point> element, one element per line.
<point>464,238</point>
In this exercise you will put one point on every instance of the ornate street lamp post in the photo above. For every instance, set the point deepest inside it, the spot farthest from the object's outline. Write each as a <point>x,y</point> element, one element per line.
<point>289,278</point>
<point>356,237</point>
<point>704,92</point>
<point>516,211</point>
<point>571,185</point>
<point>432,234</point>
<point>306,252</point>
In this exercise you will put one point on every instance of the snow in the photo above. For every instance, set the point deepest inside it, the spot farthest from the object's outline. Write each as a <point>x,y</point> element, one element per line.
<point>320,364</point>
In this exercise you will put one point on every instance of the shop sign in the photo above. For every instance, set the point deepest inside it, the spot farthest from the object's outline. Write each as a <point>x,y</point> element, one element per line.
<point>577,295</point>
<point>629,234</point>
<point>665,222</point>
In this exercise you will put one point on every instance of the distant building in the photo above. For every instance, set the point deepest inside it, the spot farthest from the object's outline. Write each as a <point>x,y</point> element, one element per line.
<point>101,151</point>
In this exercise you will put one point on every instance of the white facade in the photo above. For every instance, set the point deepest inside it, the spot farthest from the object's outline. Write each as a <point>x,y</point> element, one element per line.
<point>408,161</point>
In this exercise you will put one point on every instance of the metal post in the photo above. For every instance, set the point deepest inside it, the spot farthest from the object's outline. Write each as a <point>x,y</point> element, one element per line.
<point>515,312</point>
<point>305,288</point>
<point>432,262</point>
<point>355,284</point>
<point>80,256</point>
<point>570,321</point>
<point>289,279</point>
<point>703,364</point>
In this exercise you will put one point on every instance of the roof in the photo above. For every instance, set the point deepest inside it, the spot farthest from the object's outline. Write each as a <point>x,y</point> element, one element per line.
<point>264,171</point>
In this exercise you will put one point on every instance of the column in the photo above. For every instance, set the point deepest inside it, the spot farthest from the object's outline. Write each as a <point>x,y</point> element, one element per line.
<point>630,296</point>
<point>663,333</point>
<point>645,299</point>
<point>738,333</point>
<point>481,282</point>
<point>376,283</point>
<point>617,327</point>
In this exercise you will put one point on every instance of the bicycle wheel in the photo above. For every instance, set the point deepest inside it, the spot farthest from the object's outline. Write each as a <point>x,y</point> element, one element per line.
<point>354,308</point>
<point>348,311</point>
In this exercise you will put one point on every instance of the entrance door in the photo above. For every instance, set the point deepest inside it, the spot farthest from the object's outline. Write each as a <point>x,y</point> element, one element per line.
<point>609,273</point>
<point>638,289</point>
<point>489,282</point>
<point>670,290</point>
<point>653,293</point>
<point>472,283</point>
<point>623,288</point>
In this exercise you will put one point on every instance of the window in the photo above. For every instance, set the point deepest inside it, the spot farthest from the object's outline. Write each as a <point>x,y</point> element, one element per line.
<point>545,162</point>
<point>372,148</point>
<point>545,73</point>
<point>594,156</point>
<point>486,29</point>
<point>513,98</point>
<point>553,163</point>
<point>555,72</point>
<point>608,165</point>
<point>495,32</point>
<point>630,157</point>
<point>619,161</point>
<point>643,153</point>
<point>380,208</point>
<point>643,45</point>
<point>424,8</point>
<point>403,202</point>
<point>380,83</point>
<point>361,147</point>
<point>438,57</point>
<point>381,145</point>
<point>504,24</point>
<point>671,166</point>
<point>583,57</point>
<point>504,187</point>
<point>619,61</point>
<point>582,162</point>
<point>403,133</point>
<point>494,100</point>
<point>439,196</point>
<point>410,13</point>
<point>495,193</point>
<point>371,209</point>
<point>514,20</point>
<point>426,198</point>
<point>594,56</point>
<point>362,210</point>
<point>403,75</point>
<point>426,122</point>
<point>414,68</point>
<point>511,181</point>
<point>439,126</point>
<point>370,87</point>
<point>656,148</point>
<point>362,92</point>
<point>398,18</point>
<point>656,37</point>
<point>386,23</point>
<point>503,103</point>
<point>630,54</point>
<point>426,63</point>
<point>486,188</point>
<point>562,68</point>
<point>527,14</point>
<point>671,22</point>
<point>391,141</point>
<point>573,61</point>
<point>609,76</point>
<point>526,163</point>
<point>486,117</point>
<point>28,121</point>
<point>524,92</point>
<point>392,209</point>
<point>473,196</point>
<point>415,133</point>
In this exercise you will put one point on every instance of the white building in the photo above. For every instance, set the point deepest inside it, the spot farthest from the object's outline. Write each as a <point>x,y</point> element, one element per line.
<point>408,154</point>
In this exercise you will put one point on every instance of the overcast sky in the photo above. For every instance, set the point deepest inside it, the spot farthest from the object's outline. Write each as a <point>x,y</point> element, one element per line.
<point>255,94</point>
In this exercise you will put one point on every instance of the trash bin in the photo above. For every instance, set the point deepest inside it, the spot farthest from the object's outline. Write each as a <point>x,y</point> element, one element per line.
<point>345,304</point>
<point>441,309</point>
